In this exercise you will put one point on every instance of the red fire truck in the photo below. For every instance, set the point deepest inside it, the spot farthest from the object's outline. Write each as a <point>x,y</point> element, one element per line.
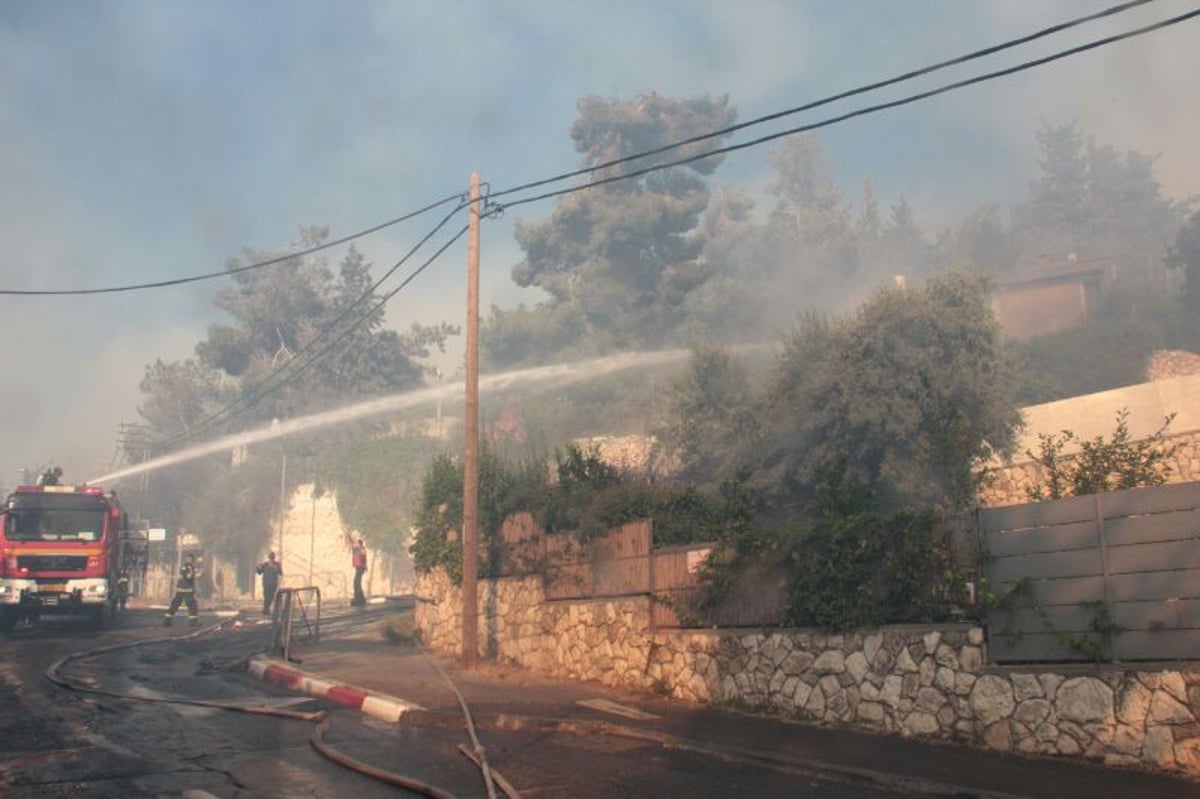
<point>60,552</point>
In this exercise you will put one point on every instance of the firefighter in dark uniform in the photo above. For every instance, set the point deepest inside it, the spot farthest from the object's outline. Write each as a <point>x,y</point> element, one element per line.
<point>185,591</point>
<point>123,589</point>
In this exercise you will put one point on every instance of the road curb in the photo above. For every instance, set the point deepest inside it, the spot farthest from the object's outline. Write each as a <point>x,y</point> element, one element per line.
<point>372,703</point>
<point>900,784</point>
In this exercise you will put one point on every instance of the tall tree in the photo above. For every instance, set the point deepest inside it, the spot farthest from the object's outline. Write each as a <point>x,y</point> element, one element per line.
<point>868,226</point>
<point>277,312</point>
<point>980,242</point>
<point>728,305</point>
<point>1055,210</point>
<point>622,257</point>
<point>1096,202</point>
<point>178,394</point>
<point>803,255</point>
<point>1185,256</point>
<point>273,314</point>
<point>901,249</point>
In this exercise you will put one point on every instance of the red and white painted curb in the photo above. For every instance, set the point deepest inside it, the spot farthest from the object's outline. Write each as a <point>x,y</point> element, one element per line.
<point>372,703</point>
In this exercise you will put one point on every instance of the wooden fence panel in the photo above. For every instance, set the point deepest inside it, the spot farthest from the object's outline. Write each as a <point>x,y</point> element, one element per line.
<point>1060,618</point>
<point>1155,616</point>
<point>1182,584</point>
<point>672,610</point>
<point>1047,565</point>
<point>1133,589</point>
<point>1037,514</point>
<point>1076,535</point>
<point>757,597</point>
<point>679,568</point>
<point>965,541</point>
<point>522,546</point>
<point>1155,499</point>
<point>620,561</point>
<point>619,576</point>
<point>1171,526</point>
<point>678,593</point>
<point>614,564</point>
<point>1157,645</point>
<point>1067,591</point>
<point>568,581</point>
<point>1154,557</point>
<point>1147,616</point>
<point>1040,647</point>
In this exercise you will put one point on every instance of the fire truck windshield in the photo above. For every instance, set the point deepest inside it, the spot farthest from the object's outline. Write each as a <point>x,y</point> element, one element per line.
<point>54,518</point>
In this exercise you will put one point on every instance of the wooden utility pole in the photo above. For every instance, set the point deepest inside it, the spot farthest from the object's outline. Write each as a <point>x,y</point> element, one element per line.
<point>470,530</point>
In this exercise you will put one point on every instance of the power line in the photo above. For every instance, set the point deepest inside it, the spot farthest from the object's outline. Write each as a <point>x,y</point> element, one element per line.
<point>958,60</point>
<point>497,208</point>
<point>912,98</point>
<point>263,388</point>
<point>1057,28</point>
<point>257,394</point>
<point>237,269</point>
<point>382,301</point>
<point>260,389</point>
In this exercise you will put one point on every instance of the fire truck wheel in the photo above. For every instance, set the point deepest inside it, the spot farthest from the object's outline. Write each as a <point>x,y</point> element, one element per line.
<point>97,617</point>
<point>8,619</point>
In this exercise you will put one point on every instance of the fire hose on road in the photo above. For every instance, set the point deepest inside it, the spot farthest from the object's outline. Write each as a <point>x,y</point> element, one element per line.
<point>320,718</point>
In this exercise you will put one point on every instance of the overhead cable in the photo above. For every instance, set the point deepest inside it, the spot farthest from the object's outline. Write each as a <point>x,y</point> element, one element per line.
<point>1044,32</point>
<point>179,281</point>
<point>956,61</point>
<point>263,389</point>
<point>498,208</point>
<point>908,100</point>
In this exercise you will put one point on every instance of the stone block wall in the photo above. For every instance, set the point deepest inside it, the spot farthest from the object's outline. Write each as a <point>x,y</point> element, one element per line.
<point>1009,485</point>
<point>925,681</point>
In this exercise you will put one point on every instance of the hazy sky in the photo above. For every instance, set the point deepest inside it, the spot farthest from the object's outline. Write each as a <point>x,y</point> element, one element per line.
<point>146,140</point>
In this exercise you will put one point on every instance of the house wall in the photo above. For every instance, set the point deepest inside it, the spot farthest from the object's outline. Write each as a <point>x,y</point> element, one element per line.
<point>1028,312</point>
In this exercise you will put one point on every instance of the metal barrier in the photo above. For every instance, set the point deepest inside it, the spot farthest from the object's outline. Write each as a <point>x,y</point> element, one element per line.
<point>295,610</point>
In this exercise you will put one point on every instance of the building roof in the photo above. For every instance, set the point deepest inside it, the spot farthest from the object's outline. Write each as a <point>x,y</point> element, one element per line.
<point>1048,272</point>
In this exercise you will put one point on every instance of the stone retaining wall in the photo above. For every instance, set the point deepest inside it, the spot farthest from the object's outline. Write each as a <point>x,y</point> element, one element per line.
<point>1009,485</point>
<point>928,681</point>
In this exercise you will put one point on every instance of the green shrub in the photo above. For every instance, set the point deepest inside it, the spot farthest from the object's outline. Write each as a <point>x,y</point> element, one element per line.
<point>853,565</point>
<point>867,569</point>
<point>1100,465</point>
<point>588,498</point>
<point>505,487</point>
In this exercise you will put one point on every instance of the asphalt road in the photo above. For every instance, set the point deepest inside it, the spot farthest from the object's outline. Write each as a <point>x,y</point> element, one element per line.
<point>60,743</point>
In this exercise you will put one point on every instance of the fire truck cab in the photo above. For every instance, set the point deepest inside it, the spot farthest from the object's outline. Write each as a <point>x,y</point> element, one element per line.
<point>60,552</point>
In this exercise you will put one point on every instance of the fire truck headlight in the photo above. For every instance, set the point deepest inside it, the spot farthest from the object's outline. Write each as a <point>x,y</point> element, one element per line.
<point>5,590</point>
<point>98,589</point>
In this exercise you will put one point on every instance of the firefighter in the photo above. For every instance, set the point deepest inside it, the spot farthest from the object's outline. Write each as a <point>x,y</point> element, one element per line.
<point>51,477</point>
<point>358,559</point>
<point>271,570</point>
<point>123,588</point>
<point>185,592</point>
